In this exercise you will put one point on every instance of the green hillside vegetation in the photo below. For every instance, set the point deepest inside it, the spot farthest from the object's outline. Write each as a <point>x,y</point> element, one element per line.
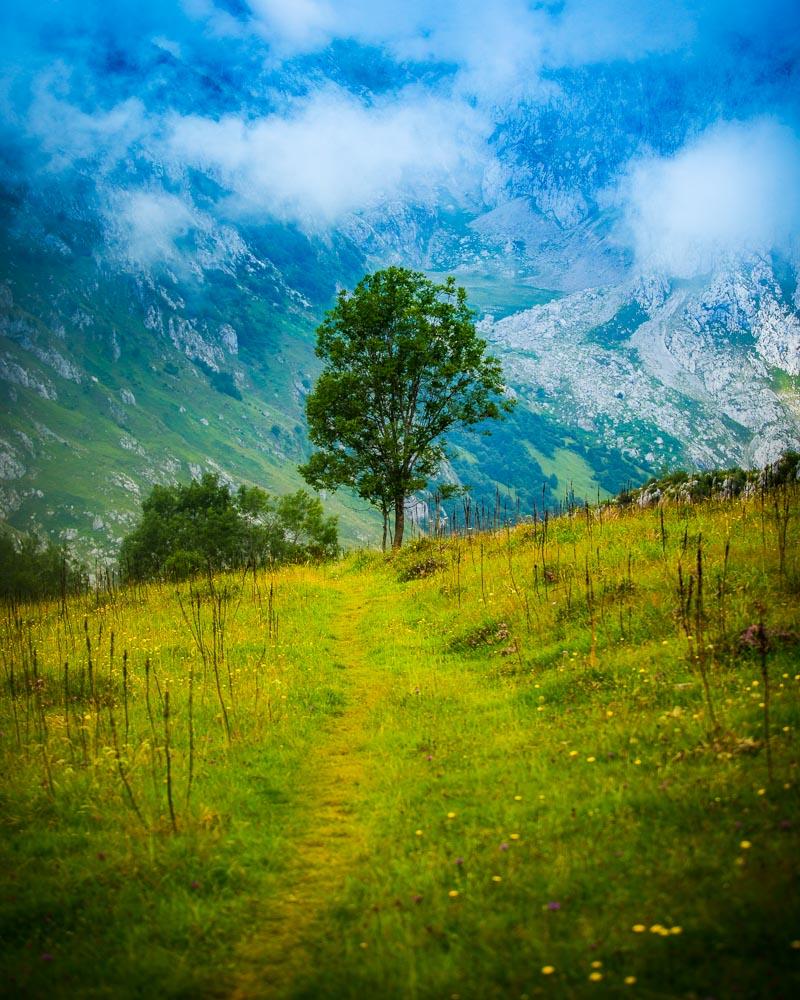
<point>498,295</point>
<point>691,487</point>
<point>205,528</point>
<point>131,410</point>
<point>32,569</point>
<point>558,759</point>
<point>91,454</point>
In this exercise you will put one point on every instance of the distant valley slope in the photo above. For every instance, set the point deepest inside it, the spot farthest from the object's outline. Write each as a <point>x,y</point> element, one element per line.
<point>125,362</point>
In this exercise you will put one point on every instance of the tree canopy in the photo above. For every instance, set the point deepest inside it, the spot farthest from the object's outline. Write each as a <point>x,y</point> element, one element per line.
<point>403,365</point>
<point>31,569</point>
<point>202,526</point>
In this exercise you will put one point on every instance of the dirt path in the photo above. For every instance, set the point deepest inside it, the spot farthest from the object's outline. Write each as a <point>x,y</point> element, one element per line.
<point>329,845</point>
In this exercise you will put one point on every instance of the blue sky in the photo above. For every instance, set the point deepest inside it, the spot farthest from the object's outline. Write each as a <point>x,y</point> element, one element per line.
<point>312,111</point>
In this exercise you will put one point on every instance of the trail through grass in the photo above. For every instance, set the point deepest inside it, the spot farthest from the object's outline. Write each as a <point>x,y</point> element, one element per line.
<point>555,761</point>
<point>328,840</point>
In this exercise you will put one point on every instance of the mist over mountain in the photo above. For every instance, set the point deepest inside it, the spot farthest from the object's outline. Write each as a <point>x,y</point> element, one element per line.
<point>184,187</point>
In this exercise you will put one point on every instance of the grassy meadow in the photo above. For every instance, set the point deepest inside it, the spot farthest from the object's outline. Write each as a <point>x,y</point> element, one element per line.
<point>553,760</point>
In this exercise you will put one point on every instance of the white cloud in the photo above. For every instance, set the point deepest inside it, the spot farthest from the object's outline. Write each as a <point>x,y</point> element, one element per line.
<point>333,155</point>
<point>734,189</point>
<point>331,152</point>
<point>67,133</point>
<point>496,49</point>
<point>492,48</point>
<point>588,31</point>
<point>296,25</point>
<point>146,223</point>
<point>167,45</point>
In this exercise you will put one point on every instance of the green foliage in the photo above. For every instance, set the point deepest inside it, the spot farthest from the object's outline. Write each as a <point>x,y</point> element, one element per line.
<point>222,381</point>
<point>31,569</point>
<point>202,526</point>
<point>729,483</point>
<point>620,327</point>
<point>296,528</point>
<point>403,365</point>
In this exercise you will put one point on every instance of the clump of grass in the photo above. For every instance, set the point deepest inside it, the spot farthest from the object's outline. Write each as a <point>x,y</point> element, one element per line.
<point>419,559</point>
<point>486,634</point>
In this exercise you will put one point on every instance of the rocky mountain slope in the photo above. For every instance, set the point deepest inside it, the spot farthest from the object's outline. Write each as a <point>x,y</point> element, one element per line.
<point>698,373</point>
<point>114,377</point>
<point>151,327</point>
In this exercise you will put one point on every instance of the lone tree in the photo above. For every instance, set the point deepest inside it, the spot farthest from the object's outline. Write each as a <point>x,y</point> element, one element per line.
<point>403,365</point>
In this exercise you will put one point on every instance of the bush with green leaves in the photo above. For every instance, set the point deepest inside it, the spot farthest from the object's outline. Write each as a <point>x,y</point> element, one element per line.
<point>31,569</point>
<point>204,527</point>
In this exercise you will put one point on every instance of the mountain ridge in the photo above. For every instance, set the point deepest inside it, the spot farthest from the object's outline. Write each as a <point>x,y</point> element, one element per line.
<point>136,271</point>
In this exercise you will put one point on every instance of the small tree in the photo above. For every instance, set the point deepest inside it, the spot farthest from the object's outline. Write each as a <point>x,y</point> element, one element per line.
<point>202,526</point>
<point>31,569</point>
<point>403,365</point>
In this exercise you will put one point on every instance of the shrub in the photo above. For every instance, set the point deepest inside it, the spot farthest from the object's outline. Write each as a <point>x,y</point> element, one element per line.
<point>31,569</point>
<point>418,560</point>
<point>202,526</point>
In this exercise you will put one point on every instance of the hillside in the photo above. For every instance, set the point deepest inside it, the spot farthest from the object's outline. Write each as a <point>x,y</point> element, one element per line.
<point>114,377</point>
<point>555,760</point>
<point>112,380</point>
<point>183,191</point>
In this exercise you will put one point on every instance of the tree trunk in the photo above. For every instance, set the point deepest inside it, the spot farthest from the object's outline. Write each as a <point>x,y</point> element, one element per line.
<point>385,513</point>
<point>399,521</point>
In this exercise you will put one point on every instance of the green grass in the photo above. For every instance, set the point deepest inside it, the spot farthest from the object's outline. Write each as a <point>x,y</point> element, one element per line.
<point>784,383</point>
<point>432,788</point>
<point>498,295</point>
<point>572,471</point>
